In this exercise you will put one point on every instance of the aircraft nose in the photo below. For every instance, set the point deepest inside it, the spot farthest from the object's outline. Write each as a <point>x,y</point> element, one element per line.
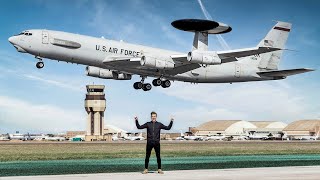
<point>11,39</point>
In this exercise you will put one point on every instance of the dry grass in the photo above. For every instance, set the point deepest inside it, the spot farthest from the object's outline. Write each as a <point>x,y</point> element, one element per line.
<point>54,151</point>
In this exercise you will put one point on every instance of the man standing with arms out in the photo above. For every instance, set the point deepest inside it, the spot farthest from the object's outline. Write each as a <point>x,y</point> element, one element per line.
<point>153,138</point>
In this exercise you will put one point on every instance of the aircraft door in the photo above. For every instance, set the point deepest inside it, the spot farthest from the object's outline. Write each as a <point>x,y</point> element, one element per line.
<point>237,70</point>
<point>45,37</point>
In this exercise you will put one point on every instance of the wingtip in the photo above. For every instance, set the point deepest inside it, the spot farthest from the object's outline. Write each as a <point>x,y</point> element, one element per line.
<point>309,69</point>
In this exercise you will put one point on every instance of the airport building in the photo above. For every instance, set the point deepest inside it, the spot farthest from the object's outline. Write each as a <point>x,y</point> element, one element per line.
<point>303,129</point>
<point>71,134</point>
<point>110,129</point>
<point>223,127</point>
<point>238,128</point>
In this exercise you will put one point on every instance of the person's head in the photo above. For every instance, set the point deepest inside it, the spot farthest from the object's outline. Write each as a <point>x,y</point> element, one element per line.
<point>153,116</point>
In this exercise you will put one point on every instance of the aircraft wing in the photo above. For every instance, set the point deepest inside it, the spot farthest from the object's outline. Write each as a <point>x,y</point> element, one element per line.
<point>284,73</point>
<point>182,69</point>
<point>237,53</point>
<point>134,62</point>
<point>230,56</point>
<point>119,58</point>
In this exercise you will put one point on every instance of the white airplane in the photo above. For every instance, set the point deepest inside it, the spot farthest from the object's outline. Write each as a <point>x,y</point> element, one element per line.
<point>215,138</point>
<point>135,138</point>
<point>314,137</point>
<point>118,60</point>
<point>116,138</point>
<point>48,138</point>
<point>17,136</point>
<point>193,137</point>
<point>4,137</point>
<point>257,137</point>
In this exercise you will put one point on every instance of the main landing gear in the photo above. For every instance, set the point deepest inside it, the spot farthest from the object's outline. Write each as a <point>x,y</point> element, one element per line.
<point>142,85</point>
<point>40,63</point>
<point>155,82</point>
<point>159,82</point>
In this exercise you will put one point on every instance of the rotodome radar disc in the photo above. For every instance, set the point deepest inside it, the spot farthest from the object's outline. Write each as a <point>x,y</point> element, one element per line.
<point>201,25</point>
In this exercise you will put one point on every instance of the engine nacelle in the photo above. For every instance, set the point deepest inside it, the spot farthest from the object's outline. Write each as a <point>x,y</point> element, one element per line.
<point>155,63</point>
<point>121,76</point>
<point>106,74</point>
<point>99,72</point>
<point>204,57</point>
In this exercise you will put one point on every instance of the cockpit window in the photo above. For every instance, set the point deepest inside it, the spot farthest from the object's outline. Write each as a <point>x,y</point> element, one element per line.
<point>24,33</point>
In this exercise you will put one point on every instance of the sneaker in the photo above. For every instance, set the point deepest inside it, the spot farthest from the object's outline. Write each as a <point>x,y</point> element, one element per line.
<point>160,171</point>
<point>145,171</point>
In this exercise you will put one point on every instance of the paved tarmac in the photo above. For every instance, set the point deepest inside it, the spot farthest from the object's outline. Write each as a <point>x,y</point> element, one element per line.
<point>283,173</point>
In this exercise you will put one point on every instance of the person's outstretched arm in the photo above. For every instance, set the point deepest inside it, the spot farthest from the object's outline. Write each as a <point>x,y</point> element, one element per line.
<point>169,126</point>
<point>138,125</point>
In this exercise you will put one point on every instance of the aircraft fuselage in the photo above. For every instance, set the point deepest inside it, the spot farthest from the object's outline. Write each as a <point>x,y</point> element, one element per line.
<point>91,51</point>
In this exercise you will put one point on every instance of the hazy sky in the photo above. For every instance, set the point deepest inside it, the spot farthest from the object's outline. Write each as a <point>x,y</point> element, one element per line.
<point>52,99</point>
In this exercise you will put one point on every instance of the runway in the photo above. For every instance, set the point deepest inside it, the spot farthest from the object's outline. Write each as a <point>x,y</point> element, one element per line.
<point>292,173</point>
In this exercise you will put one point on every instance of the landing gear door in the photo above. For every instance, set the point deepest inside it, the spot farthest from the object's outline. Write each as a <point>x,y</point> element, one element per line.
<point>237,71</point>
<point>45,37</point>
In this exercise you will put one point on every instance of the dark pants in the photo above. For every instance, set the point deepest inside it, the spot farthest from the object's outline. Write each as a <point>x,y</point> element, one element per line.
<point>156,146</point>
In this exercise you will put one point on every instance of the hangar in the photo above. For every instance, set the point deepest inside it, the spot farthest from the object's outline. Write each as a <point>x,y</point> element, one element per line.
<point>303,128</point>
<point>110,129</point>
<point>223,127</point>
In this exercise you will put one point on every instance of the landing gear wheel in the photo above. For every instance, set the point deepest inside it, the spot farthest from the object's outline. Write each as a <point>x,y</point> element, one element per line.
<point>147,87</point>
<point>40,65</point>
<point>166,84</point>
<point>157,82</point>
<point>137,85</point>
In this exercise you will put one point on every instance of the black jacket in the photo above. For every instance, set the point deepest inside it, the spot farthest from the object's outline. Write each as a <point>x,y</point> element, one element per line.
<point>153,129</point>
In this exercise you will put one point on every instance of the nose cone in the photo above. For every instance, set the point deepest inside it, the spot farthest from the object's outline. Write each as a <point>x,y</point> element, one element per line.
<point>14,41</point>
<point>11,40</point>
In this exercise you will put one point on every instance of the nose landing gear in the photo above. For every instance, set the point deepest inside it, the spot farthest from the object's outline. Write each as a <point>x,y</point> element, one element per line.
<point>39,64</point>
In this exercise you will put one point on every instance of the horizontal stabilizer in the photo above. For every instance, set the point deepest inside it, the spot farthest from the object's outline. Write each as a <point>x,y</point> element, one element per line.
<point>284,73</point>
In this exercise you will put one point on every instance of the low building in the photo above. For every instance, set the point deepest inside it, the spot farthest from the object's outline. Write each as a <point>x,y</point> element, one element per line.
<point>223,127</point>
<point>71,134</point>
<point>302,128</point>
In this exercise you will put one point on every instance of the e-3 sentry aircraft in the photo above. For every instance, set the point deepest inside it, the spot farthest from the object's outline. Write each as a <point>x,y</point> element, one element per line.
<point>118,60</point>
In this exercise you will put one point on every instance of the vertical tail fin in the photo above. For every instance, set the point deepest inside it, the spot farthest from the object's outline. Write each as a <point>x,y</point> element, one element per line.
<point>277,38</point>
<point>181,134</point>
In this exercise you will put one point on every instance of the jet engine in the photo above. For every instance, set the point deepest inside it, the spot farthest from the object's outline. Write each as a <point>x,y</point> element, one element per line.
<point>155,63</point>
<point>204,57</point>
<point>121,76</point>
<point>106,74</point>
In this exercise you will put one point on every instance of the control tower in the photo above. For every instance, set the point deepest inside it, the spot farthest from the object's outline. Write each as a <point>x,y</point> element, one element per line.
<point>95,105</point>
